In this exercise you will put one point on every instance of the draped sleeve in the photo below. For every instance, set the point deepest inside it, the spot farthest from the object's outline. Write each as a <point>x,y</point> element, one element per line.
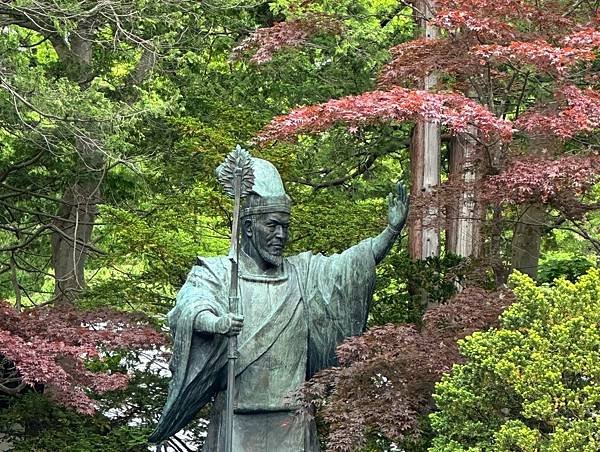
<point>197,358</point>
<point>337,292</point>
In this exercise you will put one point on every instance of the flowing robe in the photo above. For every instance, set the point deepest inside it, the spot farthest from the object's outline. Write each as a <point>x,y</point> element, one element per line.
<point>292,326</point>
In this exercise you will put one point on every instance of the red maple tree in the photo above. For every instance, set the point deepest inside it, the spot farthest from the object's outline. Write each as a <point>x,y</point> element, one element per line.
<point>544,180</point>
<point>386,376</point>
<point>264,43</point>
<point>47,348</point>
<point>399,104</point>
<point>509,65</point>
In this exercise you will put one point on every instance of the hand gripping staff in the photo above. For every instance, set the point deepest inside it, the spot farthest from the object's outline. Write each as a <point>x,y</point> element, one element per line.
<point>237,177</point>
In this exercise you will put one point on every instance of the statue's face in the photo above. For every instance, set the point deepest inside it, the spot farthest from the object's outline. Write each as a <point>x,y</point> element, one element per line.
<point>269,235</point>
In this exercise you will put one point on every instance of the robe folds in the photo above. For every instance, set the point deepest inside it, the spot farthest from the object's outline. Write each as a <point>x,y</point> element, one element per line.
<point>292,326</point>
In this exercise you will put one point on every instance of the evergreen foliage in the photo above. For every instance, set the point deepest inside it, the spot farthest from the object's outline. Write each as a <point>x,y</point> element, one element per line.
<point>532,384</point>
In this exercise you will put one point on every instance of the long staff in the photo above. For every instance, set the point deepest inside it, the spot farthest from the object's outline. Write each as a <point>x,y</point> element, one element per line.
<point>237,178</point>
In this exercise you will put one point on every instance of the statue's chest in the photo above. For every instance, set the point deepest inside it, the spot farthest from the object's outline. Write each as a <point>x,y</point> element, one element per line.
<point>281,366</point>
<point>260,300</point>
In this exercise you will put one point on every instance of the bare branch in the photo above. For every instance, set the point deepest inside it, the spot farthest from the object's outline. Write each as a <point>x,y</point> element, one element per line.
<point>22,164</point>
<point>361,168</point>
<point>12,391</point>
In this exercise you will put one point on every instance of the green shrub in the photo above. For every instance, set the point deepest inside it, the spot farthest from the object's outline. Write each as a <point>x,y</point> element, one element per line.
<point>563,264</point>
<point>533,384</point>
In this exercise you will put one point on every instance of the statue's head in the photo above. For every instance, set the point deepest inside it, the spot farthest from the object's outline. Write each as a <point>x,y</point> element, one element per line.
<point>265,216</point>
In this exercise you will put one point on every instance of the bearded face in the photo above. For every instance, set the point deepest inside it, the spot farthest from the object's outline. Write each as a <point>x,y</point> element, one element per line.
<point>268,235</point>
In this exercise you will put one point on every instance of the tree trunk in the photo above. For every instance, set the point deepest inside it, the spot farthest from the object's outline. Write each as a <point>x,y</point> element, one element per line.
<point>465,212</point>
<point>527,233</point>
<point>425,173</point>
<point>423,226</point>
<point>527,237</point>
<point>71,240</point>
<point>425,160</point>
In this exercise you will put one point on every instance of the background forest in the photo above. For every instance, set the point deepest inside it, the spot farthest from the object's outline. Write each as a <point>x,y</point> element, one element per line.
<point>114,115</point>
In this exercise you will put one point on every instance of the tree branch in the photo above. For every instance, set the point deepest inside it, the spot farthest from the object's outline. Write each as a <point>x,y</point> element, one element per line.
<point>12,391</point>
<point>22,164</point>
<point>357,171</point>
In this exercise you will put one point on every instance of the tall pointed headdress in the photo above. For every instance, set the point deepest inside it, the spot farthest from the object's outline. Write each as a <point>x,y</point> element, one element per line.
<point>268,194</point>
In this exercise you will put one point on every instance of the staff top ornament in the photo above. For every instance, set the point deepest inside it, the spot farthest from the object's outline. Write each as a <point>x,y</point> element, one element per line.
<point>237,162</point>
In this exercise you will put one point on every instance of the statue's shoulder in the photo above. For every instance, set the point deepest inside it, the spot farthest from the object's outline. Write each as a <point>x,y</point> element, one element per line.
<point>210,267</point>
<point>301,256</point>
<point>208,273</point>
<point>212,261</point>
<point>300,260</point>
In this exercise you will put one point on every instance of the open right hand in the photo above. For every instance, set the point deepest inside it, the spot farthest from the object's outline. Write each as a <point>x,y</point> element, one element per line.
<point>397,207</point>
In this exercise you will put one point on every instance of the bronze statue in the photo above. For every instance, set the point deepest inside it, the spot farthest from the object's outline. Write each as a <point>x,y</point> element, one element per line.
<point>292,314</point>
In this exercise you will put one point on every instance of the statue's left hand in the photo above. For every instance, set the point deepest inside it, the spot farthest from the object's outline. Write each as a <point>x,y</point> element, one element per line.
<point>397,207</point>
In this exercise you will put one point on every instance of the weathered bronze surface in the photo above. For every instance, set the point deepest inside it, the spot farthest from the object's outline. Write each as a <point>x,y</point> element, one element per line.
<point>293,313</point>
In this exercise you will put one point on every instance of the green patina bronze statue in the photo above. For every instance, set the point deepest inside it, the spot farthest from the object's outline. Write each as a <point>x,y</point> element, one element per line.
<point>292,313</point>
